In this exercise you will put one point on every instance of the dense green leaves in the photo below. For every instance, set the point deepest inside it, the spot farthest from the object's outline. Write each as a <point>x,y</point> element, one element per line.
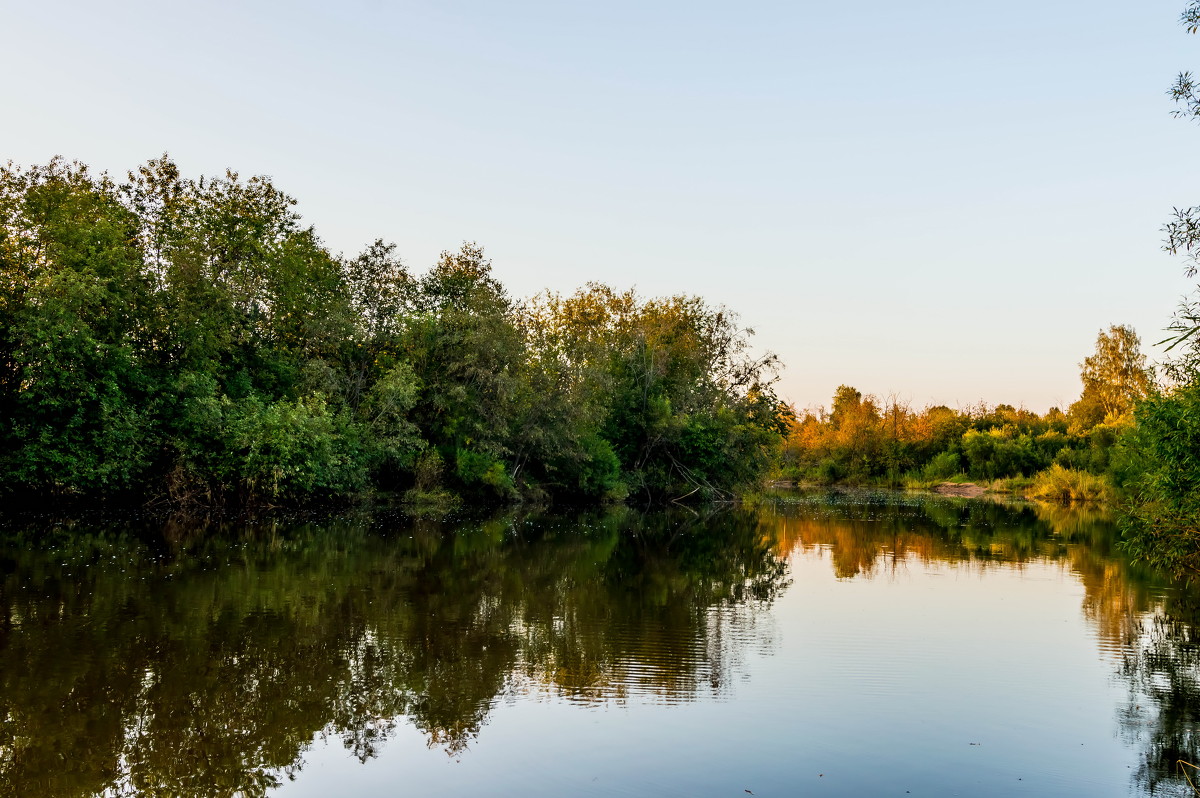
<point>78,320</point>
<point>193,339</point>
<point>1160,472</point>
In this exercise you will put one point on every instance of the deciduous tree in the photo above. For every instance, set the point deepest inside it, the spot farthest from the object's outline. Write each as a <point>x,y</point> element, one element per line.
<point>1115,378</point>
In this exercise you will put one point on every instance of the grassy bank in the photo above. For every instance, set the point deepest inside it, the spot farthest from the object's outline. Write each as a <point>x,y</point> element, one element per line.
<point>1054,484</point>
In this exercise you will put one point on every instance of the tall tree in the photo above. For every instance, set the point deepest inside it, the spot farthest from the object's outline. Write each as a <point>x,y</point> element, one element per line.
<point>466,351</point>
<point>1114,379</point>
<point>76,323</point>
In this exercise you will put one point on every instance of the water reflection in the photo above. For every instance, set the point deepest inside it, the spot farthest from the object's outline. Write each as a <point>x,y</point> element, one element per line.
<point>1144,622</point>
<point>193,660</point>
<point>207,668</point>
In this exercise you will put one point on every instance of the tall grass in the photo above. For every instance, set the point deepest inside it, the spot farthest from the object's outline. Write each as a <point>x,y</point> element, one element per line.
<point>1057,483</point>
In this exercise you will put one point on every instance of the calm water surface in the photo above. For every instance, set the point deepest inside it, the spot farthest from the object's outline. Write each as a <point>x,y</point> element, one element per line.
<point>825,644</point>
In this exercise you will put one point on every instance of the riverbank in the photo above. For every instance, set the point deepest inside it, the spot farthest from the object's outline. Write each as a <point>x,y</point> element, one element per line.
<point>1052,484</point>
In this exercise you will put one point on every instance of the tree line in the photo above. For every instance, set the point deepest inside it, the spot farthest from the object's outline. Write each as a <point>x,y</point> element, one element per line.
<point>193,341</point>
<point>1131,441</point>
<point>1059,454</point>
<point>1133,436</point>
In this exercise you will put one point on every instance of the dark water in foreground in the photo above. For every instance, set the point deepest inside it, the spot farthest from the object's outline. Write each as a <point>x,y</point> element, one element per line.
<point>862,644</point>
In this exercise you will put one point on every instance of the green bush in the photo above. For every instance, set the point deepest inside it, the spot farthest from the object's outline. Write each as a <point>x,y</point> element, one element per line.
<point>476,469</point>
<point>942,466</point>
<point>1157,468</point>
<point>294,448</point>
<point>998,453</point>
<point>600,473</point>
<point>828,472</point>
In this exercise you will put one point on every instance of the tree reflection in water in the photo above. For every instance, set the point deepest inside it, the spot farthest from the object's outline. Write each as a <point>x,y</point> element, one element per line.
<point>202,660</point>
<point>1145,623</point>
<point>207,666</point>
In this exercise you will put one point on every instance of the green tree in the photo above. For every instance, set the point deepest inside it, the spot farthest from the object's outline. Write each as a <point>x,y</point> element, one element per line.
<point>194,336</point>
<point>256,315</point>
<point>382,296</point>
<point>466,351</point>
<point>667,388</point>
<point>77,325</point>
<point>1115,378</point>
<point>1159,471</point>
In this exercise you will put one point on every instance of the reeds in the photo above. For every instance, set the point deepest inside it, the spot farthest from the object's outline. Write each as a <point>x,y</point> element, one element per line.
<point>1057,483</point>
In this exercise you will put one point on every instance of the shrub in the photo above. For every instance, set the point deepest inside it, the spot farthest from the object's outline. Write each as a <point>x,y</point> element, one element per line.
<point>942,466</point>
<point>295,448</point>
<point>477,469</point>
<point>600,473</point>
<point>828,472</point>
<point>1069,485</point>
<point>1158,471</point>
<point>998,453</point>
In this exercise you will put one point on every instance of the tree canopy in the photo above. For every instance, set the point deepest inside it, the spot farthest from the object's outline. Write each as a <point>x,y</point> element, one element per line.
<point>1115,378</point>
<point>194,339</point>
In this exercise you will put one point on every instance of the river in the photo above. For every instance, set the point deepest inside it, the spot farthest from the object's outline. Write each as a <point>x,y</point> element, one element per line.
<point>819,643</point>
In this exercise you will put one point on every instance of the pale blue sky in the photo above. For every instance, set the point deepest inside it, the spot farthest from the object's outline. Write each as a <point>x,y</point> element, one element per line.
<point>944,200</point>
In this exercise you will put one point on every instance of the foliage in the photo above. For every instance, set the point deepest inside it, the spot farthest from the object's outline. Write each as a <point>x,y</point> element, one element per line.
<point>670,385</point>
<point>1159,472</point>
<point>1158,467</point>
<point>193,339</point>
<point>865,440</point>
<point>1114,379</point>
<point>943,466</point>
<point>1068,485</point>
<point>69,367</point>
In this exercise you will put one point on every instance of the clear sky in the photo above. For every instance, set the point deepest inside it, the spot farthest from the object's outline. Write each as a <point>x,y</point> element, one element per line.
<point>940,199</point>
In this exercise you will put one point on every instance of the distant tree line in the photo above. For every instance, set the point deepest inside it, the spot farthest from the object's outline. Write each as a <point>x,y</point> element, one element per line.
<point>1129,437</point>
<point>861,439</point>
<point>193,341</point>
